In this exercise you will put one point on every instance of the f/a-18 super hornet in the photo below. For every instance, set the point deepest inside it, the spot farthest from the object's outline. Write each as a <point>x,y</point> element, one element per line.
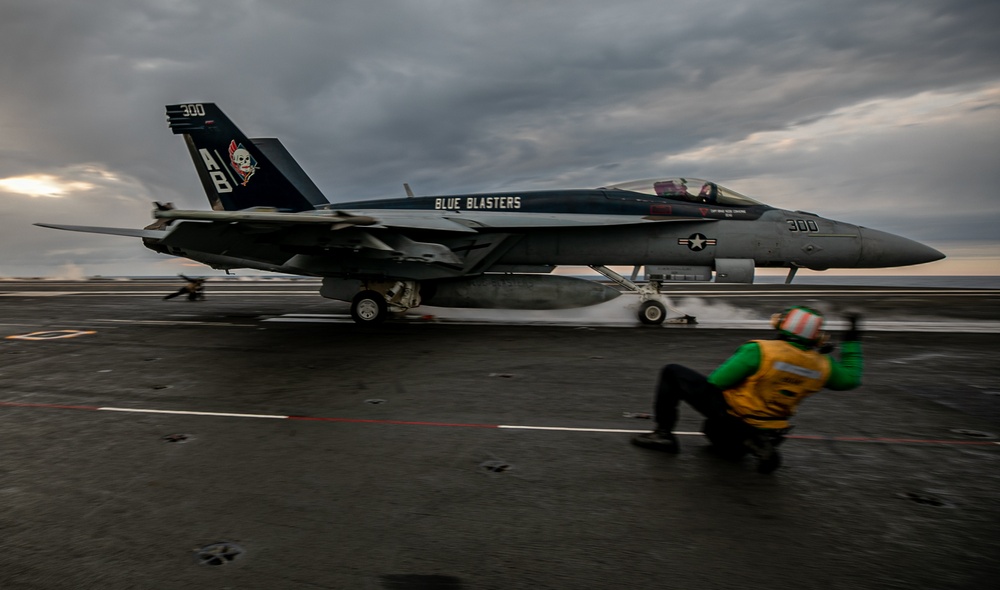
<point>495,250</point>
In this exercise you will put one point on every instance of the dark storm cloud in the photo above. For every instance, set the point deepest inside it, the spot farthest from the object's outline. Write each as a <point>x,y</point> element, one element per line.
<point>475,96</point>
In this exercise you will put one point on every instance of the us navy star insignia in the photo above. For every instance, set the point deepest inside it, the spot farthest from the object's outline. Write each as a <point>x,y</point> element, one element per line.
<point>696,242</point>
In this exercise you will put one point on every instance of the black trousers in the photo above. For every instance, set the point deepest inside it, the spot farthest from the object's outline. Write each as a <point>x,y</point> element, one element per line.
<point>727,433</point>
<point>181,291</point>
<point>191,295</point>
<point>678,383</point>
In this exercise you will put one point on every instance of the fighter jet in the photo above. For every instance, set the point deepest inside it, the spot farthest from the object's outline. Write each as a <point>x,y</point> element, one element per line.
<point>493,250</point>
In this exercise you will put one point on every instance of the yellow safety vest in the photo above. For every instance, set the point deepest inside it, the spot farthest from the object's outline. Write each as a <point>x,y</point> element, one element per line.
<point>786,375</point>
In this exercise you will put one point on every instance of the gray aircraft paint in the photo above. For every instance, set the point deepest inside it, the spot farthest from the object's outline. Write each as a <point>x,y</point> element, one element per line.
<point>268,215</point>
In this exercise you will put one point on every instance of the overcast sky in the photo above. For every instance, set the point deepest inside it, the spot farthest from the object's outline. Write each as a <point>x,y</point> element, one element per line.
<point>884,113</point>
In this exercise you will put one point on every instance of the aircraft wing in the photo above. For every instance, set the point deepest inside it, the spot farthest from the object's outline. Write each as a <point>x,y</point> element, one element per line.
<point>114,231</point>
<point>447,221</point>
<point>417,243</point>
<point>336,219</point>
<point>501,220</point>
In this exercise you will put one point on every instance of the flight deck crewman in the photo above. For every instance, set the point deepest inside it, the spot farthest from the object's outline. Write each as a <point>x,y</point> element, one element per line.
<point>748,400</point>
<point>194,289</point>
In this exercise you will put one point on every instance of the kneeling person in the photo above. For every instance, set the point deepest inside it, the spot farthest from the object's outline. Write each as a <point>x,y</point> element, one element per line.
<point>748,400</point>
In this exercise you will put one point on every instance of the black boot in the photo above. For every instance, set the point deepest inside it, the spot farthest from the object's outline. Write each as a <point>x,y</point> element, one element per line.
<point>659,440</point>
<point>768,457</point>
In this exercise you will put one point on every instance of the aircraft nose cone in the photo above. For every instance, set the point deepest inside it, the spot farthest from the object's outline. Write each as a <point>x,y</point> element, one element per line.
<point>881,249</point>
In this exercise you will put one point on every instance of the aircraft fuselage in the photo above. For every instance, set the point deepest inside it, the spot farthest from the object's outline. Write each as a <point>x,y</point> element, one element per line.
<point>675,232</point>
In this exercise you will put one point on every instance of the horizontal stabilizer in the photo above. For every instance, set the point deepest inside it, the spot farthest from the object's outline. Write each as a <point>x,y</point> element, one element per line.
<point>113,231</point>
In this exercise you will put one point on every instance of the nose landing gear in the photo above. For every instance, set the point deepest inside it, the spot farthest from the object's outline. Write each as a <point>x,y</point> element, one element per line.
<point>652,312</point>
<point>652,309</point>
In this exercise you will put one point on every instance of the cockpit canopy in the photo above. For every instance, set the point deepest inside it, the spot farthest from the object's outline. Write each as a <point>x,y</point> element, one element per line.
<point>691,190</point>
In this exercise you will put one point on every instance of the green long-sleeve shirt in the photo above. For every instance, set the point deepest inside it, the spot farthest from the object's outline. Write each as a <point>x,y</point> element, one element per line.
<point>844,374</point>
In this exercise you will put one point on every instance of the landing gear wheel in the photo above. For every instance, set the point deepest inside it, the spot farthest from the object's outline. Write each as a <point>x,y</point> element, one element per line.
<point>369,308</point>
<point>652,313</point>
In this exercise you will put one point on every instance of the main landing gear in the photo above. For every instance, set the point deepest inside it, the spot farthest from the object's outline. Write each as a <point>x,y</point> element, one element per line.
<point>652,306</point>
<point>369,308</point>
<point>377,300</point>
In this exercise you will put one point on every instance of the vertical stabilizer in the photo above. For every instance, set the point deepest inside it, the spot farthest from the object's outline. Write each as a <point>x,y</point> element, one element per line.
<point>235,171</point>
<point>278,154</point>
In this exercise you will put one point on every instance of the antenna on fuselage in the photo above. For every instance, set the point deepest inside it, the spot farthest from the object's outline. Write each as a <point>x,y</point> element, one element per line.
<point>406,187</point>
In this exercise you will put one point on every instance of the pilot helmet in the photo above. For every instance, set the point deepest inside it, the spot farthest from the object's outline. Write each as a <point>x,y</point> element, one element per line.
<point>800,324</point>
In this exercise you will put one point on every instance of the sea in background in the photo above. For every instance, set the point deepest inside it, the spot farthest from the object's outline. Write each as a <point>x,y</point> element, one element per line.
<point>930,281</point>
<point>954,282</point>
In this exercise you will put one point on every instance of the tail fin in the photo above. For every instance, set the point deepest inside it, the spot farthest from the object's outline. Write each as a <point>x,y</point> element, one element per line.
<point>237,172</point>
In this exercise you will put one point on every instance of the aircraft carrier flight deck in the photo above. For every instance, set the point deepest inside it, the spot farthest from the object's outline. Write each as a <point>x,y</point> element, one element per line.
<point>261,439</point>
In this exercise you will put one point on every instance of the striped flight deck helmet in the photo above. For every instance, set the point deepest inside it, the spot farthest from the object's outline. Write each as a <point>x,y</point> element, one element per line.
<point>801,324</point>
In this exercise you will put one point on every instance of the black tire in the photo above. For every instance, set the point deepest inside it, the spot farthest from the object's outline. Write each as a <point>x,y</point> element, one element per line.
<point>369,308</point>
<point>652,313</point>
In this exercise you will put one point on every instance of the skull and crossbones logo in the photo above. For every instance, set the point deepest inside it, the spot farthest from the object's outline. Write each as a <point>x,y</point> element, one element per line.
<point>242,161</point>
